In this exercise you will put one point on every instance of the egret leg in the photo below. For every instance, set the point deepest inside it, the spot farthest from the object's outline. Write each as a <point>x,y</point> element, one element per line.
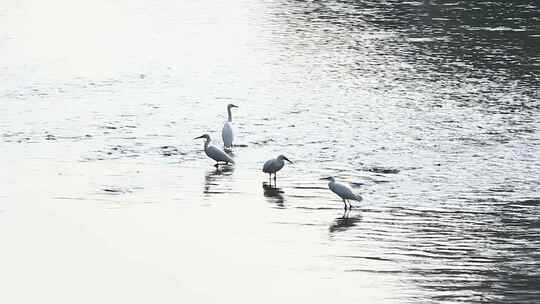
<point>350,206</point>
<point>345,203</point>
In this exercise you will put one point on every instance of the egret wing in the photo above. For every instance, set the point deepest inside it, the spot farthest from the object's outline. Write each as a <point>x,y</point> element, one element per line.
<point>267,167</point>
<point>343,191</point>
<point>218,155</point>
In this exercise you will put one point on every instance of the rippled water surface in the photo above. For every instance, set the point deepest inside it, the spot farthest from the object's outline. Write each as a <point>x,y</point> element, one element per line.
<point>429,109</point>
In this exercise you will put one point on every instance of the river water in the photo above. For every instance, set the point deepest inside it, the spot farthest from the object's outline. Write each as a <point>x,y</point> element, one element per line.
<point>429,110</point>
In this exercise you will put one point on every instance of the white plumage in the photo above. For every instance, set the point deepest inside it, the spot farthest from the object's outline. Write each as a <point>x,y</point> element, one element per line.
<point>274,165</point>
<point>227,133</point>
<point>214,152</point>
<point>343,191</point>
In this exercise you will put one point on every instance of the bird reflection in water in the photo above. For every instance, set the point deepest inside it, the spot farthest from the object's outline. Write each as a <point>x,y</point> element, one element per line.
<point>347,220</point>
<point>274,195</point>
<point>213,178</point>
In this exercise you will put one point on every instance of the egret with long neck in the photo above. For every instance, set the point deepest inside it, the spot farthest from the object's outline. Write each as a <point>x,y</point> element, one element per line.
<point>227,133</point>
<point>214,152</point>
<point>343,191</point>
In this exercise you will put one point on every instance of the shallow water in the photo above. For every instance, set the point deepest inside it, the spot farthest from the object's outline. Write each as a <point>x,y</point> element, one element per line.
<point>430,110</point>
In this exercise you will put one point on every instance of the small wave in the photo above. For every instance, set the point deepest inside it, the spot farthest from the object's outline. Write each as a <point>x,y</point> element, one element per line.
<point>365,257</point>
<point>116,190</point>
<point>262,142</point>
<point>169,151</point>
<point>68,198</point>
<point>310,187</point>
<point>377,271</point>
<point>381,170</point>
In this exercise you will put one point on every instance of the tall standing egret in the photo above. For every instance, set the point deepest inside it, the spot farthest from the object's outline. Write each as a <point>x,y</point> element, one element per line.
<point>343,191</point>
<point>274,165</point>
<point>227,132</point>
<point>214,152</point>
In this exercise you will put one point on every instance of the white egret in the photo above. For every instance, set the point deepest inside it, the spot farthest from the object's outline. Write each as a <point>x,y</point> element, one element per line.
<point>227,132</point>
<point>215,153</point>
<point>274,165</point>
<point>343,191</point>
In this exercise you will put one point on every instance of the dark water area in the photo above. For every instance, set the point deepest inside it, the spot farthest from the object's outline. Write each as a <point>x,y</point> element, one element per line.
<point>428,109</point>
<point>449,45</point>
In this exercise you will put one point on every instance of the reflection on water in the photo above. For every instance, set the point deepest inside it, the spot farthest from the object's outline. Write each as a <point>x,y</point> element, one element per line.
<point>215,181</point>
<point>348,220</point>
<point>274,194</point>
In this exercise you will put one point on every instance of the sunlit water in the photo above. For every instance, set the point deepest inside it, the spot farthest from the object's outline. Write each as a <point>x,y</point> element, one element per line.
<point>429,110</point>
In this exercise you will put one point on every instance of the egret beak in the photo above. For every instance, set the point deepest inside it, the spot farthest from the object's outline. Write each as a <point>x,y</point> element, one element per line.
<point>324,178</point>
<point>287,160</point>
<point>199,137</point>
<point>234,106</point>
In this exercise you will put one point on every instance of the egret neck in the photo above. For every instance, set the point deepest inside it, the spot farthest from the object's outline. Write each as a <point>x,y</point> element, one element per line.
<point>230,115</point>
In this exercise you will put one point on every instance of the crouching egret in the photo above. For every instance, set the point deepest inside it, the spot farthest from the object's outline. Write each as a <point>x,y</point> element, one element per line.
<point>215,153</point>
<point>274,165</point>
<point>343,191</point>
<point>227,132</point>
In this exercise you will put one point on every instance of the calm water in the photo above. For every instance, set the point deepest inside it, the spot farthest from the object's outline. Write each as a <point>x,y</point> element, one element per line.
<point>430,110</point>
